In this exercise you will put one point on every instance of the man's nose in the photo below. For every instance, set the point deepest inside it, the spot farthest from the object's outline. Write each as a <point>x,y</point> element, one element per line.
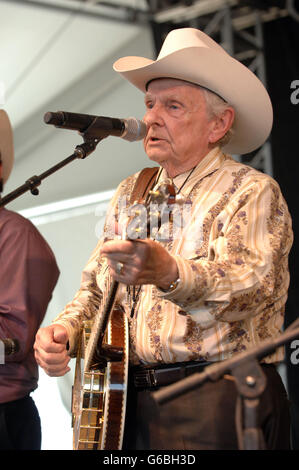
<point>153,115</point>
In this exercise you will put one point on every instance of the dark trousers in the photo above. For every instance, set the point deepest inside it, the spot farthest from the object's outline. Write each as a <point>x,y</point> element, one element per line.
<point>20,427</point>
<point>205,418</point>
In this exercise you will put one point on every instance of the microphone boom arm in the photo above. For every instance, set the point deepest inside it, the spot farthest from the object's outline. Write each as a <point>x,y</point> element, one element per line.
<point>214,371</point>
<point>81,151</point>
<point>250,382</point>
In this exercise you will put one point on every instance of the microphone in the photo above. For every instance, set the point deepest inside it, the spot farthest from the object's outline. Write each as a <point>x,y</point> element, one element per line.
<point>11,346</point>
<point>98,127</point>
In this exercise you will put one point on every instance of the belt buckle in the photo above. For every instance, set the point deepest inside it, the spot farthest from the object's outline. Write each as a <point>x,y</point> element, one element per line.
<point>145,378</point>
<point>152,378</point>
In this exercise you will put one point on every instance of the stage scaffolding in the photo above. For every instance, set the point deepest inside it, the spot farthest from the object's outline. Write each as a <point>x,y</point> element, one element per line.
<point>236,24</point>
<point>240,31</point>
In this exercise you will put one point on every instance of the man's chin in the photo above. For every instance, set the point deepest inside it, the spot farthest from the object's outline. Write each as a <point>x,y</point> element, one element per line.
<point>157,157</point>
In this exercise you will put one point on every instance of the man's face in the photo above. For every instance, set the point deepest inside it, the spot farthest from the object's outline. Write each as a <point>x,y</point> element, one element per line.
<point>178,125</point>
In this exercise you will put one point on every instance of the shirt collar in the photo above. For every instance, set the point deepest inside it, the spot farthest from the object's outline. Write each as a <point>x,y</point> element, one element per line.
<point>211,162</point>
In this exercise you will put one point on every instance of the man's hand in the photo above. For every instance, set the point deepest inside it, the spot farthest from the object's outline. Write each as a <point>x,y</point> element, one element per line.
<point>50,350</point>
<point>144,262</point>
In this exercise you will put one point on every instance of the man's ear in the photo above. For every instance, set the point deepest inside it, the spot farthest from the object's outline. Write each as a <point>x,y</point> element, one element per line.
<point>221,125</point>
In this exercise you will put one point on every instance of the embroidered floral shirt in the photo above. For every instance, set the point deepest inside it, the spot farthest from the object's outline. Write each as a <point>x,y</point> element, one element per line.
<point>232,251</point>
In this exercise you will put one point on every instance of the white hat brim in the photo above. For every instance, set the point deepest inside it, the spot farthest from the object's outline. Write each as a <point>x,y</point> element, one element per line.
<point>219,72</point>
<point>6,145</point>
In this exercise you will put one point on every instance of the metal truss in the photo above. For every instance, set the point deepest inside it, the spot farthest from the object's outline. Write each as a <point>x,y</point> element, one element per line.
<point>239,30</point>
<point>166,11</point>
<point>245,43</point>
<point>122,11</point>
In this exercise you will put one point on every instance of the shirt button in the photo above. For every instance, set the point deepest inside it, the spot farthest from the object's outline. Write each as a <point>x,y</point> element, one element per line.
<point>182,312</point>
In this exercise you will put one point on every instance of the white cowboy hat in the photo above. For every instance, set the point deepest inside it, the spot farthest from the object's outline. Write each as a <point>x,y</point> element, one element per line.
<point>6,145</point>
<point>189,54</point>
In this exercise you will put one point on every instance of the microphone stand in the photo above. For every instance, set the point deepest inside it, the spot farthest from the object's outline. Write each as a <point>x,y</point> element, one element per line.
<point>250,381</point>
<point>81,151</point>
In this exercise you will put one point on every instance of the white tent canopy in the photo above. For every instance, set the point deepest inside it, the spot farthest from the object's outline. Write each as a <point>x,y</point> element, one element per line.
<point>59,60</point>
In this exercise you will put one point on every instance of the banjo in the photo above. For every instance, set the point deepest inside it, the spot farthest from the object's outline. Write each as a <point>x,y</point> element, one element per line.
<point>101,372</point>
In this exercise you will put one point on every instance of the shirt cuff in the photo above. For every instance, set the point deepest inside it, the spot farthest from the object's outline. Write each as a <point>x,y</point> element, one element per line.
<point>194,281</point>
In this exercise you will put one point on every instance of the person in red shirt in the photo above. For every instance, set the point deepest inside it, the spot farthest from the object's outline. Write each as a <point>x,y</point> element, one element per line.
<point>28,275</point>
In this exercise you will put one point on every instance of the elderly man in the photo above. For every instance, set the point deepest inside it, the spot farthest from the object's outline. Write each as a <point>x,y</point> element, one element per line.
<point>219,287</point>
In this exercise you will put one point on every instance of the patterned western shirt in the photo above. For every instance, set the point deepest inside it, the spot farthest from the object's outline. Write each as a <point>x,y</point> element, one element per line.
<point>232,255</point>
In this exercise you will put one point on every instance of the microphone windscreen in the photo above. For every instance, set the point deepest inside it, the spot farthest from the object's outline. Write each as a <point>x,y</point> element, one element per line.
<point>134,129</point>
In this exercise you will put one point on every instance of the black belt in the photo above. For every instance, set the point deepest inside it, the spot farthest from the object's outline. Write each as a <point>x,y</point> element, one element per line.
<point>157,376</point>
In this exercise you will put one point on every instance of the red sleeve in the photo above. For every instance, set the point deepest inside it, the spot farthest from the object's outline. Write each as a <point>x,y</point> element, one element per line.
<point>28,275</point>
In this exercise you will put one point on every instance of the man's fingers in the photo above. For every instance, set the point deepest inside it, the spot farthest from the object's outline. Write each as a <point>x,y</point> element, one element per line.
<point>52,358</point>
<point>60,336</point>
<point>54,365</point>
<point>112,247</point>
<point>50,350</point>
<point>51,339</point>
<point>55,371</point>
